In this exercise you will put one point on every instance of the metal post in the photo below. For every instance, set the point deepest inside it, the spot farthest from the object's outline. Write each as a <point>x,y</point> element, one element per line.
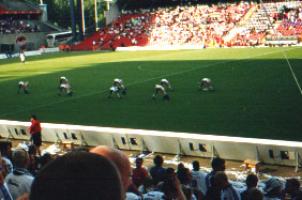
<point>73,20</point>
<point>297,159</point>
<point>96,20</point>
<point>83,16</point>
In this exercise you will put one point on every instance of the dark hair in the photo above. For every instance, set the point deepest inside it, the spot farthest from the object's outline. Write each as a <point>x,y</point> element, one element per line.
<point>139,159</point>
<point>251,180</point>
<point>77,176</point>
<point>294,183</point>
<point>255,194</point>
<point>33,116</point>
<point>158,160</point>
<point>218,164</point>
<point>195,165</point>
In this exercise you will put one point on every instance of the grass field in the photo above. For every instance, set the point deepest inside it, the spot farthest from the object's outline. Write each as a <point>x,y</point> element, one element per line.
<point>255,96</point>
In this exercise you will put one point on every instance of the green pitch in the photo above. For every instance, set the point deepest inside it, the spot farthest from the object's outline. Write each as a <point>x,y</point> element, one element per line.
<point>255,93</point>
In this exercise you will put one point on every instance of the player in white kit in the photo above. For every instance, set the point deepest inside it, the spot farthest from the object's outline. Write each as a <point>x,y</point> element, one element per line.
<point>160,90</point>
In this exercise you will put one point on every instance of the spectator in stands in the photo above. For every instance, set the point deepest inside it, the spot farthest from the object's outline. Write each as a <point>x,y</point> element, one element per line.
<point>35,133</point>
<point>139,174</point>
<point>292,188</point>
<point>251,183</point>
<point>273,189</point>
<point>227,191</point>
<point>198,179</point>
<point>78,176</point>
<point>19,181</point>
<point>157,171</point>
<point>218,164</point>
<point>254,194</point>
<point>33,160</point>
<point>150,191</point>
<point>122,163</point>
<point>6,153</point>
<point>171,186</point>
<point>4,191</point>
<point>184,176</point>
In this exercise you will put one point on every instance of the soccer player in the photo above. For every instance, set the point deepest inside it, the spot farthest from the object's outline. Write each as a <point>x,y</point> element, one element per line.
<point>23,86</point>
<point>64,86</point>
<point>114,90</point>
<point>206,84</point>
<point>166,84</point>
<point>120,85</point>
<point>160,90</point>
<point>118,88</point>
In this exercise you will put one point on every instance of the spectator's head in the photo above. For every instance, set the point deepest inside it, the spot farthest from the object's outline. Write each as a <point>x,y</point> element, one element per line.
<point>169,172</point>
<point>195,165</point>
<point>218,164</point>
<point>180,166</point>
<point>251,181</point>
<point>221,180</point>
<point>20,158</point>
<point>171,185</point>
<point>5,148</point>
<point>119,159</point>
<point>46,158</point>
<point>139,162</point>
<point>273,187</point>
<point>33,116</point>
<point>255,194</point>
<point>158,160</point>
<point>185,176</point>
<point>292,186</point>
<point>77,175</point>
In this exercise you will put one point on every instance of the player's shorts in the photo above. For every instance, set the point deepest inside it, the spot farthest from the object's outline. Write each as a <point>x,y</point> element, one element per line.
<point>36,139</point>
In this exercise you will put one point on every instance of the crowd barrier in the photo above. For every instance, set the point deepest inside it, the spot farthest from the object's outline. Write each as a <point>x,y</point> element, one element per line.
<point>276,152</point>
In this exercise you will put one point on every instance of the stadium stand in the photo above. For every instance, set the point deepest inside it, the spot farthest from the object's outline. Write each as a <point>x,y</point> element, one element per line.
<point>21,18</point>
<point>216,25</point>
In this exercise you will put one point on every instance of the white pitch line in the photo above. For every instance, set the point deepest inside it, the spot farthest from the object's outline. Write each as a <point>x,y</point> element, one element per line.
<point>293,73</point>
<point>143,81</point>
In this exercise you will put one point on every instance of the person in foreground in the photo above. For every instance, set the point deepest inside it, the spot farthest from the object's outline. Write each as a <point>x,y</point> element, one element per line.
<point>77,176</point>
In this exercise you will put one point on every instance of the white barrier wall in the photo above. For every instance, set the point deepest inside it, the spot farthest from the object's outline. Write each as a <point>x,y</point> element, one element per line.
<point>202,145</point>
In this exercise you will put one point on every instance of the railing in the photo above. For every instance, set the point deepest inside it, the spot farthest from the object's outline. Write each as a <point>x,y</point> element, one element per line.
<point>277,152</point>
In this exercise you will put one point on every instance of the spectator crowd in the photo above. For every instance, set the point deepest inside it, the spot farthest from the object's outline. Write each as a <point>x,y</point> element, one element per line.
<point>11,25</point>
<point>217,25</point>
<point>105,173</point>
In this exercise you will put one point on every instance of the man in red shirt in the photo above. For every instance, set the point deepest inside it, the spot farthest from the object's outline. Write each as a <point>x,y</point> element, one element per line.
<point>139,174</point>
<point>35,133</point>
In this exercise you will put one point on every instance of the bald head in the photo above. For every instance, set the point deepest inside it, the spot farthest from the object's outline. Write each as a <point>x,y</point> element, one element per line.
<point>119,159</point>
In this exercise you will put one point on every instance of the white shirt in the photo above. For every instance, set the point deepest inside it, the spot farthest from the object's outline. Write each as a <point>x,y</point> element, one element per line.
<point>153,195</point>
<point>200,179</point>
<point>18,184</point>
<point>132,196</point>
<point>113,89</point>
<point>160,87</point>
